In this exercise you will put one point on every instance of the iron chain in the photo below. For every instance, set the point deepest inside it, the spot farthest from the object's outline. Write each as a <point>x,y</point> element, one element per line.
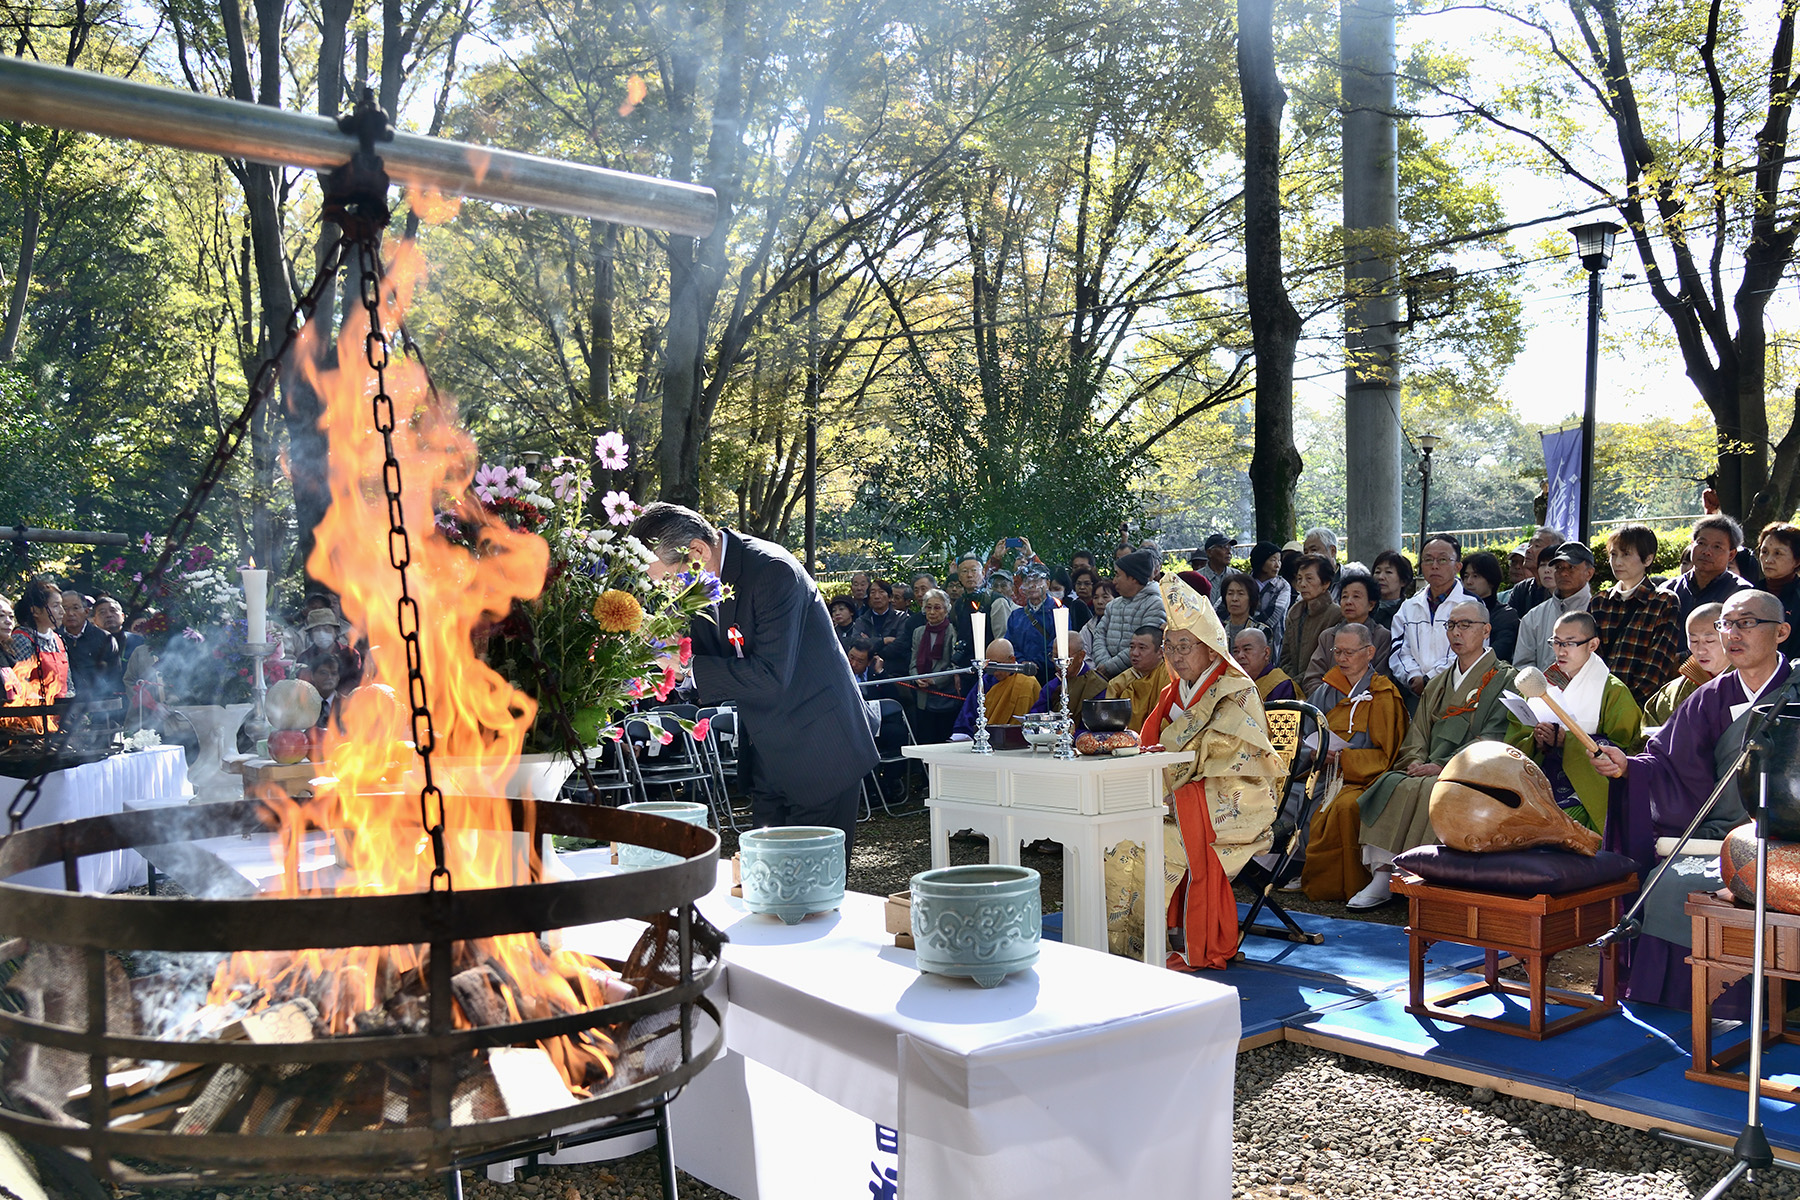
<point>375,351</point>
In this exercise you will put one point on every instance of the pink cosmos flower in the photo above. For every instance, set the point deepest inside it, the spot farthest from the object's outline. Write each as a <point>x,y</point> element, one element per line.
<point>618,508</point>
<point>117,564</point>
<point>564,486</point>
<point>610,450</point>
<point>193,635</point>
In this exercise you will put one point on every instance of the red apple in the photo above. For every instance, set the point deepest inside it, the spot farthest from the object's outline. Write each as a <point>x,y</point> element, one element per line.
<point>288,745</point>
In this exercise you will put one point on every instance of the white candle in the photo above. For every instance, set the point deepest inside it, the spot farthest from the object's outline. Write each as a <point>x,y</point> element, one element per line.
<point>256,604</point>
<point>1061,617</point>
<point>978,627</point>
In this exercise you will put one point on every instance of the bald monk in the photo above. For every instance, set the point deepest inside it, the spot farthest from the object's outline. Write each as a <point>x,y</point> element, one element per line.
<point>1009,696</point>
<point>1142,682</point>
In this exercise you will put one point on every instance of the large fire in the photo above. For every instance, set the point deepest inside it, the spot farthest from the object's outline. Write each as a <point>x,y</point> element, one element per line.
<point>478,720</point>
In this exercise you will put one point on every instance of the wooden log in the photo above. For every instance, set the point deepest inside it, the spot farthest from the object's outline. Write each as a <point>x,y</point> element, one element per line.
<point>288,1022</point>
<point>528,1081</point>
<point>477,993</point>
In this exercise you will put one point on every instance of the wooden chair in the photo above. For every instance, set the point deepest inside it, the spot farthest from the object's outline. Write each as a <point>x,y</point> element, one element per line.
<point>1297,731</point>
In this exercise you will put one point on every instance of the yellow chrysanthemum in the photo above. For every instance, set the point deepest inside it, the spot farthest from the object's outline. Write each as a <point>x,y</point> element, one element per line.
<point>618,612</point>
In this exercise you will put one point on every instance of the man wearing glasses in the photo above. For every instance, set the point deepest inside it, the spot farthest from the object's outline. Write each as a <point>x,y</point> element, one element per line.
<point>1596,700</point>
<point>1574,564</point>
<point>1367,719</point>
<point>1421,647</point>
<point>1461,706</point>
<point>1656,793</point>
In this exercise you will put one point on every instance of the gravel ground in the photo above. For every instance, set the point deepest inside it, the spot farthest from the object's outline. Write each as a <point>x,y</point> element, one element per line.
<point>1309,1124</point>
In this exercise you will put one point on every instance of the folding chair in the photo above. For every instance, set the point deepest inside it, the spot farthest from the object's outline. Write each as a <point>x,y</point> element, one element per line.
<point>885,709</point>
<point>680,764</point>
<point>612,768</point>
<point>720,748</point>
<point>1297,731</point>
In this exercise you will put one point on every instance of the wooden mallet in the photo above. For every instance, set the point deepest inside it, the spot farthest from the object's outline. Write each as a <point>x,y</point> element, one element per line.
<point>1531,684</point>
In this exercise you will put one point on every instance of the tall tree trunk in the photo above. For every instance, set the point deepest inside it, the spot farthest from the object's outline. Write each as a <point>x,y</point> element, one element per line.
<point>27,261</point>
<point>1274,325</point>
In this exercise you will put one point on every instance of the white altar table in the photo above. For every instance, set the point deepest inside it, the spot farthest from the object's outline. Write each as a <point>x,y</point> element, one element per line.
<point>100,789</point>
<point>1087,804</point>
<point>1086,1075</point>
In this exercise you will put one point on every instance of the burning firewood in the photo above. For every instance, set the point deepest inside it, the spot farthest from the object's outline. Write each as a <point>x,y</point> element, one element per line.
<point>288,1022</point>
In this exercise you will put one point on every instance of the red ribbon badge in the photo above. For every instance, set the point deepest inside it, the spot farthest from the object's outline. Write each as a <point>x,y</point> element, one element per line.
<point>736,639</point>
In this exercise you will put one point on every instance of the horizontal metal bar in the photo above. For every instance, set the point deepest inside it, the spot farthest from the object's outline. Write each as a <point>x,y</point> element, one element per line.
<point>61,537</point>
<point>63,98</point>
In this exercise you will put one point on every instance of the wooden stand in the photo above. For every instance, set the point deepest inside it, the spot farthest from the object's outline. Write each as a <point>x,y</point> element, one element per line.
<point>1724,951</point>
<point>1534,929</point>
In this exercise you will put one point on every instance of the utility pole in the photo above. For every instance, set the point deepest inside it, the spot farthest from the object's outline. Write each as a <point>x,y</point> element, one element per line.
<point>1372,317</point>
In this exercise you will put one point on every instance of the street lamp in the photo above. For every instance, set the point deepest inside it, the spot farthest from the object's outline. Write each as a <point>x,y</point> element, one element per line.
<point>1594,243</point>
<point>530,459</point>
<point>1427,444</point>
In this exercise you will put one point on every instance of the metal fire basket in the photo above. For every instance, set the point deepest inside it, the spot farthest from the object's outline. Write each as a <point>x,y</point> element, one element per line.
<point>94,925</point>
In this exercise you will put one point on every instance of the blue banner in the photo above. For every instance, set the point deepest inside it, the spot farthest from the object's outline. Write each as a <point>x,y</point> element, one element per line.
<point>1562,466</point>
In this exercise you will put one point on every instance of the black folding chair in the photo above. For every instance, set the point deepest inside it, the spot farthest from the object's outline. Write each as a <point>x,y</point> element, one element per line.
<point>897,731</point>
<point>677,766</point>
<point>1297,731</point>
<point>613,768</point>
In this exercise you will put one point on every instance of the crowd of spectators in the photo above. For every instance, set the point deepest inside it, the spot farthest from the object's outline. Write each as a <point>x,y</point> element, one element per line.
<point>1379,649</point>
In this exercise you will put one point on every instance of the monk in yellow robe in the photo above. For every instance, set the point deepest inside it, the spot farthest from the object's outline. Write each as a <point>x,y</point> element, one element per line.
<point>1008,697</point>
<point>1144,680</point>
<point>1367,719</point>
<point>1226,797</point>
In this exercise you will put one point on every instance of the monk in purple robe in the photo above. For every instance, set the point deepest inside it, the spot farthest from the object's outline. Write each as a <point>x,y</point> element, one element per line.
<point>1655,794</point>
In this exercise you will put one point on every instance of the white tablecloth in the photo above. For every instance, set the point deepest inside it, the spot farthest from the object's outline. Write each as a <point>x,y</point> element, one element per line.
<point>1089,1074</point>
<point>100,789</point>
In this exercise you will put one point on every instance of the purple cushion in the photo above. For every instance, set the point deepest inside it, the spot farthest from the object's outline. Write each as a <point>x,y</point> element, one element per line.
<point>1538,871</point>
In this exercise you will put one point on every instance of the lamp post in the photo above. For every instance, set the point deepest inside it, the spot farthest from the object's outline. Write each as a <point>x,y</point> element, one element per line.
<point>529,459</point>
<point>1427,444</point>
<point>1594,243</point>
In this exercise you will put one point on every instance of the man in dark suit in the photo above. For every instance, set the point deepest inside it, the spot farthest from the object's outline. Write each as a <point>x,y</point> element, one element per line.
<point>93,654</point>
<point>804,741</point>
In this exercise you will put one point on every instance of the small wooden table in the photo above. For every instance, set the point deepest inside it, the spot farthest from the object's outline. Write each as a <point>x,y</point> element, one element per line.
<point>1724,951</point>
<point>1533,929</point>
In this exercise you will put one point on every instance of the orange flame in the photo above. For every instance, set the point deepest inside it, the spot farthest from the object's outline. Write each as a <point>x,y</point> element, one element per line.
<point>478,720</point>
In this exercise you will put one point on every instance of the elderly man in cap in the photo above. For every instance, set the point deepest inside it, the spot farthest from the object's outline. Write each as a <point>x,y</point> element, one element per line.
<point>1226,796</point>
<point>1574,564</point>
<point>1031,626</point>
<point>1214,562</point>
<point>1460,706</point>
<point>1140,603</point>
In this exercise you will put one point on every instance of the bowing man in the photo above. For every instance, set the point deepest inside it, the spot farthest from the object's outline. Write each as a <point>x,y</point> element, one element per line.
<point>803,732</point>
<point>1656,793</point>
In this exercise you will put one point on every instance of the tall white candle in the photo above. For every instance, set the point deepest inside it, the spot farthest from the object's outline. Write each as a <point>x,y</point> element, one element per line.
<point>1061,617</point>
<point>256,604</point>
<point>978,628</point>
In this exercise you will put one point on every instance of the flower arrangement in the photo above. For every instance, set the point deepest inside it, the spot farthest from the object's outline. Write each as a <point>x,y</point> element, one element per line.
<point>606,634</point>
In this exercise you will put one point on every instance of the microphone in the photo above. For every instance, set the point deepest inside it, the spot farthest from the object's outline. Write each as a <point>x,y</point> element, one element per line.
<point>1626,929</point>
<point>1014,668</point>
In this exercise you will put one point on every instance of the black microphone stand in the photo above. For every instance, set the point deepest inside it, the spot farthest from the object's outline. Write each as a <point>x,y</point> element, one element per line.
<point>1751,1152</point>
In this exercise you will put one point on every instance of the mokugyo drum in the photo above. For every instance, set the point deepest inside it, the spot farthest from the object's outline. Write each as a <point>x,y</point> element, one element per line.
<point>1491,796</point>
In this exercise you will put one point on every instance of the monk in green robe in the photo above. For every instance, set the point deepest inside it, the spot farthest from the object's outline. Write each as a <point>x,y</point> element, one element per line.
<point>1460,706</point>
<point>1599,702</point>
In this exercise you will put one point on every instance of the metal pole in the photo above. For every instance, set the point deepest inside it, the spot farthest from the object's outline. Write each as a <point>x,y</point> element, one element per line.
<point>1587,412</point>
<point>64,538</point>
<point>62,98</point>
<point>812,412</point>
<point>1424,496</point>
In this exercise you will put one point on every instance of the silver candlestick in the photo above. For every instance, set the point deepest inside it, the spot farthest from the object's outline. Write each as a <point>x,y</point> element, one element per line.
<point>258,727</point>
<point>981,745</point>
<point>1065,737</point>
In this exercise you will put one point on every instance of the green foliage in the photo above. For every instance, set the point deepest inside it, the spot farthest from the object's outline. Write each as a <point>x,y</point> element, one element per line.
<point>1024,462</point>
